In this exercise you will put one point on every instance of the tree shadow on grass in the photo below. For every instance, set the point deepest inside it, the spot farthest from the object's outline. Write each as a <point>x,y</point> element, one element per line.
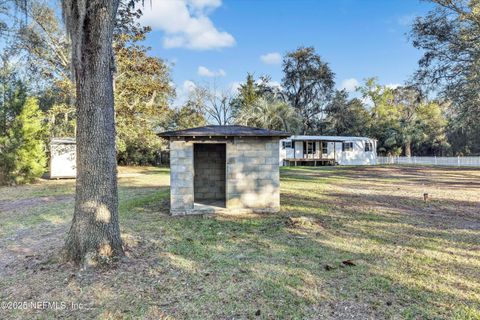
<point>449,177</point>
<point>233,266</point>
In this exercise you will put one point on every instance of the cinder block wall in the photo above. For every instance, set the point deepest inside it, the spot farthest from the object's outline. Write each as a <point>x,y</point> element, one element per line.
<point>253,179</point>
<point>209,165</point>
<point>181,177</point>
<point>252,175</point>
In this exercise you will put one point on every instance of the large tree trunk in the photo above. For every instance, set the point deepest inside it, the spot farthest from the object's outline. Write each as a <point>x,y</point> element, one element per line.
<point>408,148</point>
<point>95,231</point>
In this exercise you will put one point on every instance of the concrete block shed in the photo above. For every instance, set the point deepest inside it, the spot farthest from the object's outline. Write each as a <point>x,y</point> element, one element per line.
<point>224,168</point>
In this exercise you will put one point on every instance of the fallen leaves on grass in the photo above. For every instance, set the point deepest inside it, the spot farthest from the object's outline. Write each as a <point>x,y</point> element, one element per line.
<point>349,263</point>
<point>304,223</point>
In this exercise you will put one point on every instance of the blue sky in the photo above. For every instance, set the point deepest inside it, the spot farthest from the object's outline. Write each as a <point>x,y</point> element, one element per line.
<point>215,40</point>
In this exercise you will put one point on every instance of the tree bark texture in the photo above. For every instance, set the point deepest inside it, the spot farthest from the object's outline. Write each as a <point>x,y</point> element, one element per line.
<point>408,148</point>
<point>95,231</point>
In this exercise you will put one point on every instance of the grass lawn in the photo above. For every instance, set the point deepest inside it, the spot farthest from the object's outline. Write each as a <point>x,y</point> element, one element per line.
<point>412,259</point>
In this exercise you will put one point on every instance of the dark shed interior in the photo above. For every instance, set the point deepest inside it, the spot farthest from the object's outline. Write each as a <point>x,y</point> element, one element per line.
<point>210,176</point>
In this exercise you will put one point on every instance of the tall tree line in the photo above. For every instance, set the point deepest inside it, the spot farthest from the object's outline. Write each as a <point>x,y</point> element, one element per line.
<point>403,120</point>
<point>449,36</point>
<point>437,112</point>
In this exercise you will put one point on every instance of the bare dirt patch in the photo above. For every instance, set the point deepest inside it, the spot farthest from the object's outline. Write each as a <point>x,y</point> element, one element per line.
<point>22,204</point>
<point>30,249</point>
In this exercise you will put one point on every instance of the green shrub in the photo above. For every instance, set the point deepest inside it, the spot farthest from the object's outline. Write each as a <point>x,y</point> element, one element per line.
<point>22,150</point>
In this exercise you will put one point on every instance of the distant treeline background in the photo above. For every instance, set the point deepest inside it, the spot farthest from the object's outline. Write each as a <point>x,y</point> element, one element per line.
<point>436,111</point>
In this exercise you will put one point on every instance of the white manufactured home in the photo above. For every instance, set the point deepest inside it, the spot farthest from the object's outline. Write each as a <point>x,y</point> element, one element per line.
<point>327,150</point>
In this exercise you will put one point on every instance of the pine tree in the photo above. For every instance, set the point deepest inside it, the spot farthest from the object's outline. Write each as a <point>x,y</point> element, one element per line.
<point>23,153</point>
<point>27,133</point>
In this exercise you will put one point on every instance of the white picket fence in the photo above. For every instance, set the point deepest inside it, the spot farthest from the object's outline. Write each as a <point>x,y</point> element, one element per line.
<point>436,161</point>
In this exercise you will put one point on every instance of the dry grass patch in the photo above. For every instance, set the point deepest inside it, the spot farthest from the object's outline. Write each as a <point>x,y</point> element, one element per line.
<point>308,223</point>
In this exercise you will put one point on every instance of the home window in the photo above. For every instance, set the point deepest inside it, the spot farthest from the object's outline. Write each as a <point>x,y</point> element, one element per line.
<point>324,148</point>
<point>368,146</point>
<point>309,148</point>
<point>347,146</point>
<point>286,144</point>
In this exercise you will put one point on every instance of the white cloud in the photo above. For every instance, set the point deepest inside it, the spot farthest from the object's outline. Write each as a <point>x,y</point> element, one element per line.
<point>393,85</point>
<point>275,84</point>
<point>205,72</point>
<point>349,85</point>
<point>367,101</point>
<point>203,4</point>
<point>183,92</point>
<point>188,86</point>
<point>271,83</point>
<point>234,86</point>
<point>186,24</point>
<point>271,58</point>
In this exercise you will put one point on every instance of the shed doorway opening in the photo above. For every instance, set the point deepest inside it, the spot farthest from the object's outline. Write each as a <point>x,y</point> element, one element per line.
<point>209,184</point>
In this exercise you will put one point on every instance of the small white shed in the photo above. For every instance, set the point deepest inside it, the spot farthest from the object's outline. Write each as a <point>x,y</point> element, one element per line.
<point>327,150</point>
<point>63,156</point>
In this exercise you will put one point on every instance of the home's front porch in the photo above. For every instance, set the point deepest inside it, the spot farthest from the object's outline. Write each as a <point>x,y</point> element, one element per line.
<point>312,153</point>
<point>309,162</point>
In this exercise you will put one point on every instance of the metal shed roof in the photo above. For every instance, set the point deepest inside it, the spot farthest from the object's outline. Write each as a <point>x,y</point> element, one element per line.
<point>225,131</point>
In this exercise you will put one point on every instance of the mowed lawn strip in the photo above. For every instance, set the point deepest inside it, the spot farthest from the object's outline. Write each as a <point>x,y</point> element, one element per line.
<point>355,242</point>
